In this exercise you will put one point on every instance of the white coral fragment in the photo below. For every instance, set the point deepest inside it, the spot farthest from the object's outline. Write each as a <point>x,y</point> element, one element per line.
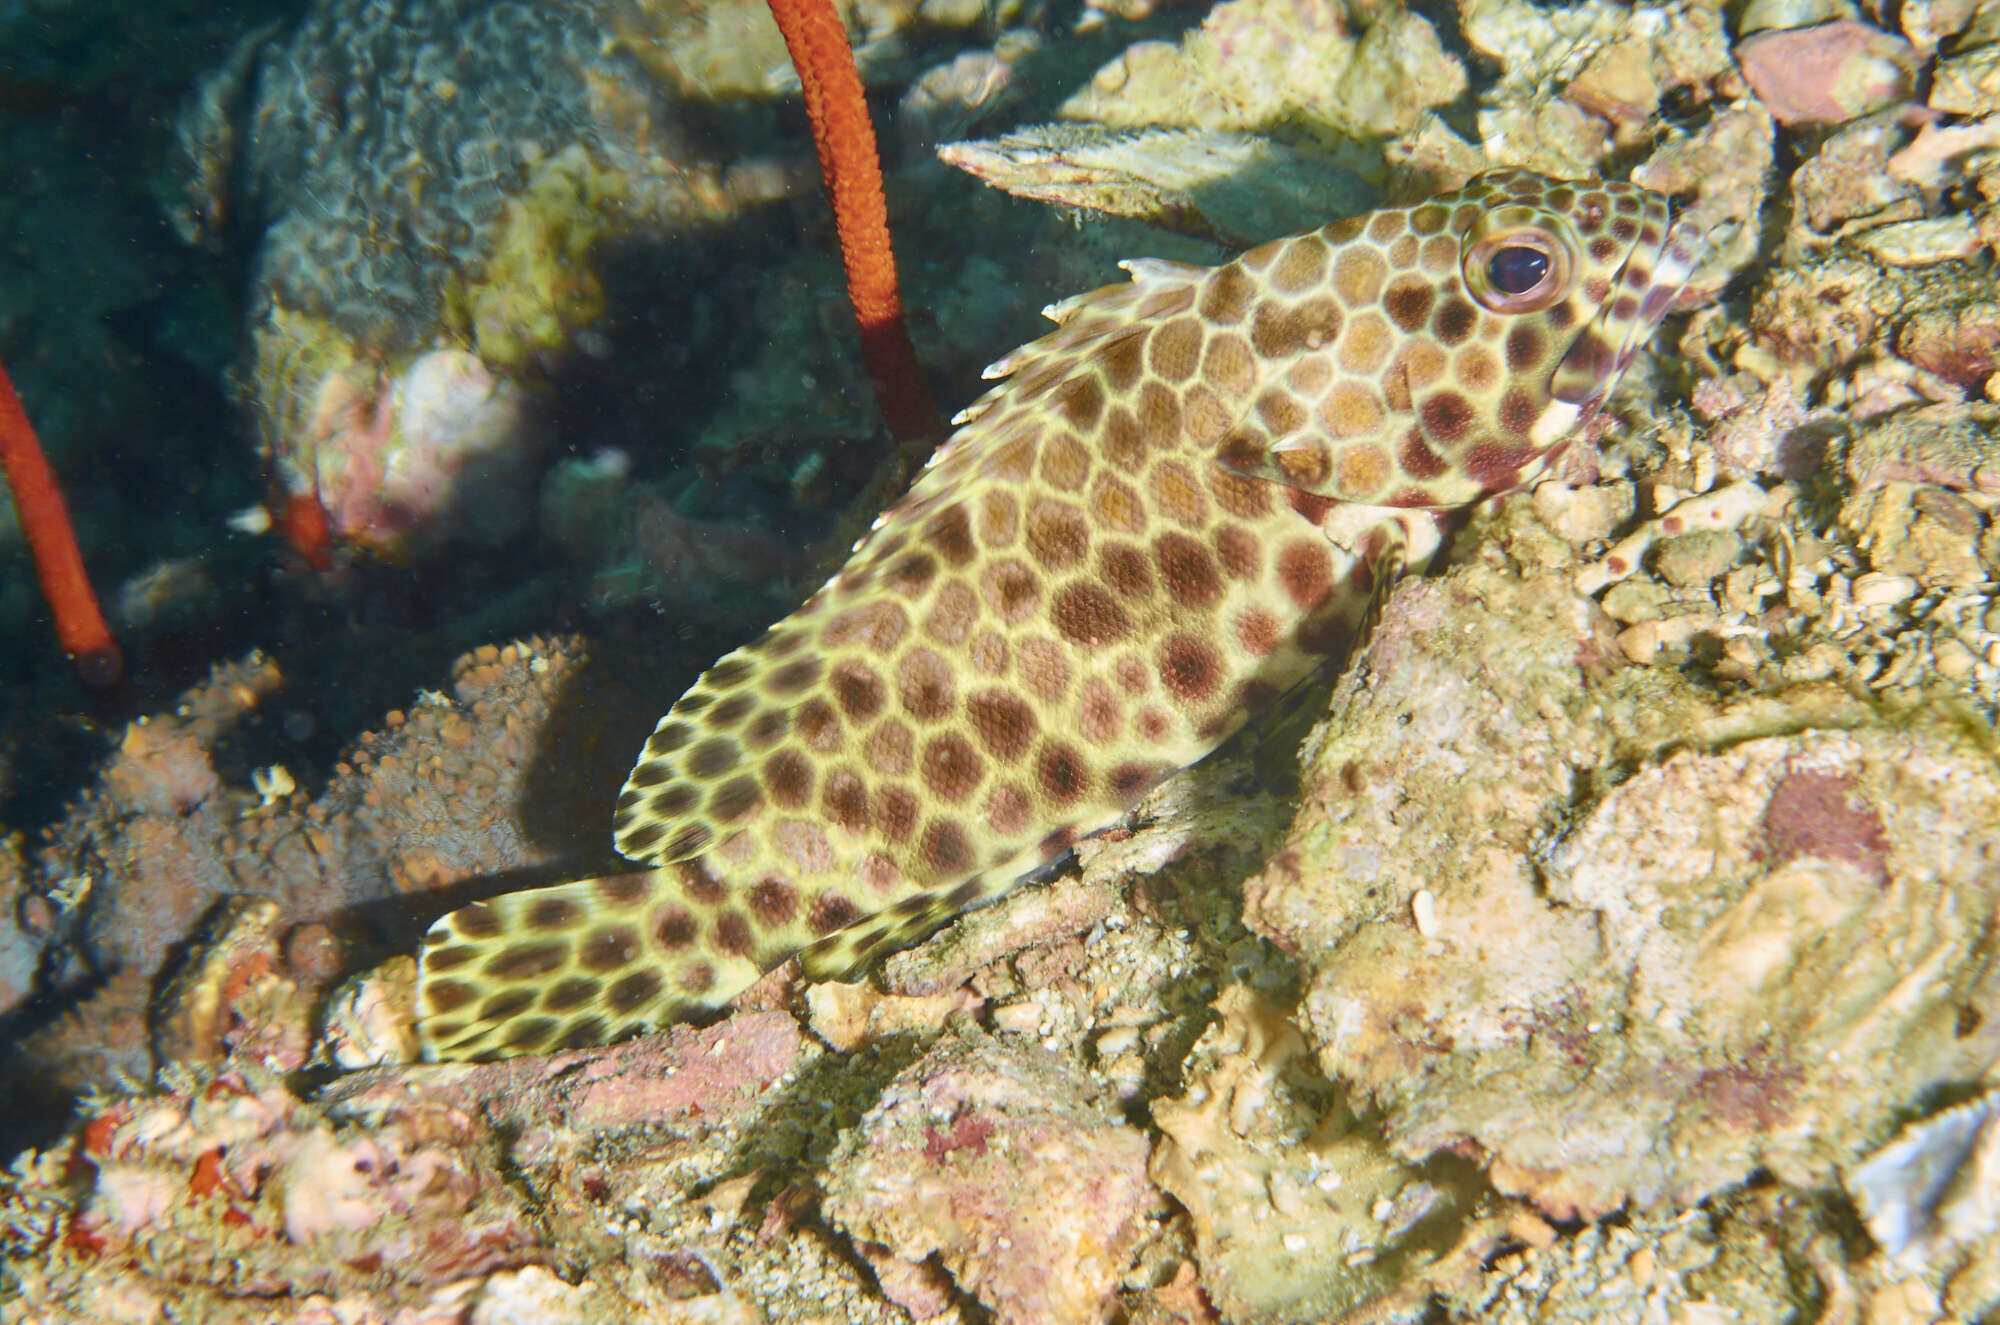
<point>1935,1188</point>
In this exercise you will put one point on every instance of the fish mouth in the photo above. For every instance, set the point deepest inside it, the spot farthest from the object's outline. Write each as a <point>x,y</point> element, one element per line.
<point>1643,292</point>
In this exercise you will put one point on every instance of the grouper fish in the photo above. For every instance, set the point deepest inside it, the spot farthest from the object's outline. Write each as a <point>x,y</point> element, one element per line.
<point>1176,505</point>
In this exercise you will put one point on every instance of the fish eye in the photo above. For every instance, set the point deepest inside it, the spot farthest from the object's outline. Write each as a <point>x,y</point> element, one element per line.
<point>1518,268</point>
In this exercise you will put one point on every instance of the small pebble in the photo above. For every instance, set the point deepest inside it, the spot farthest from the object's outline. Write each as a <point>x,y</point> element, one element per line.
<point>1117,1041</point>
<point>1954,661</point>
<point>313,953</point>
<point>1017,1018</point>
<point>1877,589</point>
<point>1633,601</point>
<point>1697,558</point>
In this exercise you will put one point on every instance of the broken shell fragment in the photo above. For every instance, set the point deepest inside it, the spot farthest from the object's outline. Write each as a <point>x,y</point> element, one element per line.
<point>1778,15</point>
<point>1935,1189</point>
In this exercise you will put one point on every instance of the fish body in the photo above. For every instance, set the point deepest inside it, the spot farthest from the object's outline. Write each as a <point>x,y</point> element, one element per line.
<point>1178,503</point>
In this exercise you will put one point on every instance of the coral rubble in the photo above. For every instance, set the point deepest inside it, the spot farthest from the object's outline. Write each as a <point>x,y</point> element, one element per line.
<point>163,850</point>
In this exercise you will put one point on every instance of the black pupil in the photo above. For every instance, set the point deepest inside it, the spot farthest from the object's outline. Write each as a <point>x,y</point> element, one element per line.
<point>1517,269</point>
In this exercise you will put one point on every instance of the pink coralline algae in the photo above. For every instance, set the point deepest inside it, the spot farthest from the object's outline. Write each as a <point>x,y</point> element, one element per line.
<point>434,1195</point>
<point>1960,346</point>
<point>692,1076</point>
<point>1821,814</point>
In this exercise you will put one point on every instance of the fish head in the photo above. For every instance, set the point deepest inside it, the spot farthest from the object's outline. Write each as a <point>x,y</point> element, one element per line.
<point>1595,268</point>
<point>1466,339</point>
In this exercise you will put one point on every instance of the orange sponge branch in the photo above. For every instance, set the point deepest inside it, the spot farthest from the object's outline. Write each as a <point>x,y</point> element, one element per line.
<point>52,543</point>
<point>852,171</point>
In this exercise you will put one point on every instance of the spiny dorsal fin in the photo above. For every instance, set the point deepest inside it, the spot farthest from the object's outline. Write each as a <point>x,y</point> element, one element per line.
<point>1087,324</point>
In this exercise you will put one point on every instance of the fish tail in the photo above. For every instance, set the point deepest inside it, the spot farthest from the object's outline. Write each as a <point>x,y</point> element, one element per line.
<point>577,964</point>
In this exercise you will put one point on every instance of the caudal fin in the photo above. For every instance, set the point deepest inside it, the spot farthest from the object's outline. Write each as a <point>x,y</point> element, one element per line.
<point>577,964</point>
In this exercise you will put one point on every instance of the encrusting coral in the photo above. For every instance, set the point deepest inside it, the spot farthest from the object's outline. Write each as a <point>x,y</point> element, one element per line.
<point>429,259</point>
<point>432,241</point>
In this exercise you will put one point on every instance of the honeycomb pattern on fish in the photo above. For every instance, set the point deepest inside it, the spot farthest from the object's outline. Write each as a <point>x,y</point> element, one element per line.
<point>1180,501</point>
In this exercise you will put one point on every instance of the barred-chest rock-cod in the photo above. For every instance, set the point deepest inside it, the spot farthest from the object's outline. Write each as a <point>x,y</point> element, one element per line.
<point>1176,505</point>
